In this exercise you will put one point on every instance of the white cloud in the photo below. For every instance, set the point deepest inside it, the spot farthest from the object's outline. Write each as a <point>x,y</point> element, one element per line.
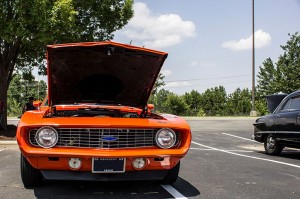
<point>202,64</point>
<point>157,31</point>
<point>262,39</point>
<point>166,72</point>
<point>194,63</point>
<point>176,84</point>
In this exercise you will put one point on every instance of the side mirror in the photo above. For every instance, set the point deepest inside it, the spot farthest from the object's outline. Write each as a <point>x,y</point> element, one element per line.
<point>150,107</point>
<point>37,104</point>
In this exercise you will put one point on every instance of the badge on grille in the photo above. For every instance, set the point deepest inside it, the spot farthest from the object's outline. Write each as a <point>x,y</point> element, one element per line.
<point>109,139</point>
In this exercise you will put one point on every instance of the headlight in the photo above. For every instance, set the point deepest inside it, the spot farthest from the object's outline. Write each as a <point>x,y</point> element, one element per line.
<point>165,138</point>
<point>46,137</point>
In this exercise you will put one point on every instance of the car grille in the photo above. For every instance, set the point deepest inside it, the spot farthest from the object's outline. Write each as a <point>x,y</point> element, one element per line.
<point>102,138</point>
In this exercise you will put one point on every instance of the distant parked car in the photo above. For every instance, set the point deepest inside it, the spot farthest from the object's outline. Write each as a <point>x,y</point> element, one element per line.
<point>281,128</point>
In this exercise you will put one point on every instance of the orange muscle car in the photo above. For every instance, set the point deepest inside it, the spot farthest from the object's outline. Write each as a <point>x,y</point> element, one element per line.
<point>95,123</point>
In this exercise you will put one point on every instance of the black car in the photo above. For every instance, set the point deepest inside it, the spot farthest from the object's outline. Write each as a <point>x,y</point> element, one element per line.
<point>281,128</point>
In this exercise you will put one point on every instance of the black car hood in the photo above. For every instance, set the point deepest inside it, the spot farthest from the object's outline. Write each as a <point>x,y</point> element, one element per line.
<point>102,72</point>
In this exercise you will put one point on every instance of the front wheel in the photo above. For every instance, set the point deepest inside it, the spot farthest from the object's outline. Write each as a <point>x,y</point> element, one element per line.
<point>30,176</point>
<point>171,175</point>
<point>272,147</point>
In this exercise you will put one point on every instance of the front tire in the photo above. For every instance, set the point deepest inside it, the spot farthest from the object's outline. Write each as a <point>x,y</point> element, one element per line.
<point>30,176</point>
<point>272,147</point>
<point>171,175</point>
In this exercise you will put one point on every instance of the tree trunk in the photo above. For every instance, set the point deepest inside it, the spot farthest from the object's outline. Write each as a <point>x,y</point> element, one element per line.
<point>3,100</point>
<point>8,58</point>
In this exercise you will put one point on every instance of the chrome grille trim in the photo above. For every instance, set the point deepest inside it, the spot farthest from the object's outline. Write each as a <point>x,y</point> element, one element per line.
<point>100,138</point>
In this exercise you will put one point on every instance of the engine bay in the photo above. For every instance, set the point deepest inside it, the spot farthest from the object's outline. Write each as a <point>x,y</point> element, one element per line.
<point>93,112</point>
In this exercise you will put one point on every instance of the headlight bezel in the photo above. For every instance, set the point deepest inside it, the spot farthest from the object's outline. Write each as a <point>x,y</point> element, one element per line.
<point>170,132</point>
<point>37,137</point>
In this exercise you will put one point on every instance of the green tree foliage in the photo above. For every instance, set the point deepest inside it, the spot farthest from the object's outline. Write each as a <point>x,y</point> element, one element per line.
<point>239,102</point>
<point>158,83</point>
<point>213,101</point>
<point>261,106</point>
<point>27,26</point>
<point>160,101</point>
<point>20,90</point>
<point>288,65</point>
<point>176,105</point>
<point>193,99</point>
<point>267,78</point>
<point>283,76</point>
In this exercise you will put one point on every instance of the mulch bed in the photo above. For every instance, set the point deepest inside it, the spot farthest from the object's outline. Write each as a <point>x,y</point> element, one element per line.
<point>9,133</point>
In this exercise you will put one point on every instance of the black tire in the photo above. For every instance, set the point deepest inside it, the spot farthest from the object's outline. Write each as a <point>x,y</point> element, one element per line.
<point>171,175</point>
<point>272,147</point>
<point>31,177</point>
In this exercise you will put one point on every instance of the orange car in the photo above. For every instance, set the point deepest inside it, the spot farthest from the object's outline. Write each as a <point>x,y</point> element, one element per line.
<point>96,124</point>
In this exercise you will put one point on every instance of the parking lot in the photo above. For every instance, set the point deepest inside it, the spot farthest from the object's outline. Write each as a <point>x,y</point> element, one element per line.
<point>223,162</point>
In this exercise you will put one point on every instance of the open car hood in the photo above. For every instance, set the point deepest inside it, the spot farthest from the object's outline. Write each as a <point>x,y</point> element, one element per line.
<point>102,72</point>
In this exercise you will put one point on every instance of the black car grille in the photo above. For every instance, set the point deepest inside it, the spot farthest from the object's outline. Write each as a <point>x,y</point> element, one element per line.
<point>102,138</point>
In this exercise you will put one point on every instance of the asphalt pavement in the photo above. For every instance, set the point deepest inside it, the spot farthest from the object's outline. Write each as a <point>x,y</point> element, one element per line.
<point>223,162</point>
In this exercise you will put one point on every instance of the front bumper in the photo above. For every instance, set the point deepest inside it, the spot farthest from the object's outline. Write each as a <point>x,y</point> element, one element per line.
<point>88,176</point>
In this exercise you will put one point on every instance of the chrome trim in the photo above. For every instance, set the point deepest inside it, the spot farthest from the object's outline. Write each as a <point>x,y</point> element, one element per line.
<point>92,138</point>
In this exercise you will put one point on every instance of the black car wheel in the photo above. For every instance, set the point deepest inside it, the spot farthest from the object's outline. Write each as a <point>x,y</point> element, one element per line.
<point>172,175</point>
<point>272,147</point>
<point>30,176</point>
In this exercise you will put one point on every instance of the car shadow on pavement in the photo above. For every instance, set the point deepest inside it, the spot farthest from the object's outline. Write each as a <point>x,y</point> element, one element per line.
<point>291,154</point>
<point>287,153</point>
<point>136,189</point>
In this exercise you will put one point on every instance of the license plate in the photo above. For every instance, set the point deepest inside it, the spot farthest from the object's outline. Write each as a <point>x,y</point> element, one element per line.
<point>108,165</point>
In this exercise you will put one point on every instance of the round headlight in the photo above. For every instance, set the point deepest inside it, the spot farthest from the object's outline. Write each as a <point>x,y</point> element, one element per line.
<point>165,138</point>
<point>46,137</point>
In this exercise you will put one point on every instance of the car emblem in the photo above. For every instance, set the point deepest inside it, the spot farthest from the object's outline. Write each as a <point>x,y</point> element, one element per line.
<point>72,141</point>
<point>109,139</point>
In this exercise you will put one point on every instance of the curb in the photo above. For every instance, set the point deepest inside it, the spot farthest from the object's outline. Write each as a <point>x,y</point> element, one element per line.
<point>8,142</point>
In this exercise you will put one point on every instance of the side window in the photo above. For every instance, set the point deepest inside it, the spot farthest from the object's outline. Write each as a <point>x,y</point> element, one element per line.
<point>295,103</point>
<point>287,105</point>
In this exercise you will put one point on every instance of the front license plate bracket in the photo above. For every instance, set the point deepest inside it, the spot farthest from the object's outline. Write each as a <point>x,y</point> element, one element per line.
<point>108,165</point>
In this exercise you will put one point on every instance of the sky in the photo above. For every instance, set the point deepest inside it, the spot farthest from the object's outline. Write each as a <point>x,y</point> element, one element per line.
<point>210,41</point>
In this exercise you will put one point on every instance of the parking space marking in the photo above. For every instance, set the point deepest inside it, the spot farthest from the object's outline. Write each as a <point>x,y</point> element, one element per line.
<point>247,156</point>
<point>173,191</point>
<point>202,149</point>
<point>242,151</point>
<point>239,137</point>
<point>1,150</point>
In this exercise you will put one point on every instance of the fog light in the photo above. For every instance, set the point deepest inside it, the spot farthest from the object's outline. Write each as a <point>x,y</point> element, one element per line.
<point>75,163</point>
<point>139,163</point>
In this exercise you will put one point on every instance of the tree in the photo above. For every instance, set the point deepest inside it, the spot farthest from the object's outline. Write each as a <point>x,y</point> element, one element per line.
<point>239,102</point>
<point>160,100</point>
<point>267,78</point>
<point>158,83</point>
<point>288,65</point>
<point>193,99</point>
<point>26,27</point>
<point>176,105</point>
<point>21,88</point>
<point>214,100</point>
<point>284,76</point>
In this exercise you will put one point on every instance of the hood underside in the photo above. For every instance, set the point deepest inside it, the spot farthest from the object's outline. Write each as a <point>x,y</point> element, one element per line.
<point>102,72</point>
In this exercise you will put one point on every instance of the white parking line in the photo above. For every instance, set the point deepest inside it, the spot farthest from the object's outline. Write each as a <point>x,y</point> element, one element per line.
<point>1,150</point>
<point>173,191</point>
<point>247,156</point>
<point>239,137</point>
<point>242,151</point>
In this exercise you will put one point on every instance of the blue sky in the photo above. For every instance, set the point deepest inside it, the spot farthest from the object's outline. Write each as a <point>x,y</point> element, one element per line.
<point>209,41</point>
